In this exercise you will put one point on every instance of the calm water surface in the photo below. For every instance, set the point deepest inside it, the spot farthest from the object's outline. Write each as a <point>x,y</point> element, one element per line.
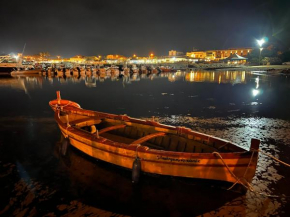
<point>235,105</point>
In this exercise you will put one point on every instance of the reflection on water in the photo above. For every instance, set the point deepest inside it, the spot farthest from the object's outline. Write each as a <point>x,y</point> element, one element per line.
<point>37,180</point>
<point>22,83</point>
<point>233,77</point>
<point>90,79</point>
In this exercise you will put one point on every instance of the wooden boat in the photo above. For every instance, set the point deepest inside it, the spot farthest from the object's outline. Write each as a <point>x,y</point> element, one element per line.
<point>26,72</point>
<point>167,69</point>
<point>151,147</point>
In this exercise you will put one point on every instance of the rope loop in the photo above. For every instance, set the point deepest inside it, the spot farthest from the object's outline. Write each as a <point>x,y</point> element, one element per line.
<point>243,181</point>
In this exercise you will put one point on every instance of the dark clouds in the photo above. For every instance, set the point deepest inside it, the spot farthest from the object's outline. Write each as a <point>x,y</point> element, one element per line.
<point>92,27</point>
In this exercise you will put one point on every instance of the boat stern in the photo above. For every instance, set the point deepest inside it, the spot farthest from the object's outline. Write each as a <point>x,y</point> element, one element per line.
<point>255,143</point>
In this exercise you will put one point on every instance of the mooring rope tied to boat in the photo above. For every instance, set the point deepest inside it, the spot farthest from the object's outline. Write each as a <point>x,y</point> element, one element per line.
<point>57,106</point>
<point>274,158</point>
<point>248,185</point>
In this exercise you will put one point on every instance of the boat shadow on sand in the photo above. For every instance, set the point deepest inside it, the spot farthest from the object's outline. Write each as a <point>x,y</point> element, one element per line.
<point>105,186</point>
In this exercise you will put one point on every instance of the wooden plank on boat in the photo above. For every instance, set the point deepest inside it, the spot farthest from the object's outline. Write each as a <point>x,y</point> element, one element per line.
<point>111,128</point>
<point>145,138</point>
<point>76,122</point>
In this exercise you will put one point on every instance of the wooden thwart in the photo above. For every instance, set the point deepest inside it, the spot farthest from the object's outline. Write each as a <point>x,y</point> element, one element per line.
<point>111,128</point>
<point>145,138</point>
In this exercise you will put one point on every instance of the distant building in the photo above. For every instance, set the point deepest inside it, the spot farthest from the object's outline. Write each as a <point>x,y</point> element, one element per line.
<point>4,56</point>
<point>175,53</point>
<point>210,55</point>
<point>196,54</point>
<point>222,54</point>
<point>116,57</point>
<point>77,59</point>
<point>218,54</point>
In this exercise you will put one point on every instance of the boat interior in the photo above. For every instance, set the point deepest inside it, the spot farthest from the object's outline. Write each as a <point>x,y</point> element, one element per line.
<point>160,138</point>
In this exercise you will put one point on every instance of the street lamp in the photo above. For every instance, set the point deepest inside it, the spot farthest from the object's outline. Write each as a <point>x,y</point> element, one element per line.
<point>260,43</point>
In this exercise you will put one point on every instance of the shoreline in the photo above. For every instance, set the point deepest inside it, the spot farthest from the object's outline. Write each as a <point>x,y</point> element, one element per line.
<point>263,68</point>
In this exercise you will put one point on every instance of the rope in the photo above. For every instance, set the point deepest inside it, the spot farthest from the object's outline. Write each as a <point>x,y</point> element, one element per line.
<point>282,162</point>
<point>67,104</point>
<point>67,125</point>
<point>247,184</point>
<point>57,106</point>
<point>66,136</point>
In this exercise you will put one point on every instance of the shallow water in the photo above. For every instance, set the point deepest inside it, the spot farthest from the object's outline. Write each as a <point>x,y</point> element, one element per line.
<point>37,180</point>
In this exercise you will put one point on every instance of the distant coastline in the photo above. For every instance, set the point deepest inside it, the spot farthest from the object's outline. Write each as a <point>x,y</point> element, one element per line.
<point>267,68</point>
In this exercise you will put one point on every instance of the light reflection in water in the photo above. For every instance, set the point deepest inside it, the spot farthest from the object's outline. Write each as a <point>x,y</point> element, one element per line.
<point>233,77</point>
<point>255,92</point>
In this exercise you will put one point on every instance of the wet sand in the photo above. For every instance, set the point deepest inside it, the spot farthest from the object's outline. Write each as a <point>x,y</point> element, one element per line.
<point>41,184</point>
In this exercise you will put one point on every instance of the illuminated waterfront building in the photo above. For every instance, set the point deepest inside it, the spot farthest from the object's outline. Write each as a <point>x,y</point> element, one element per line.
<point>218,54</point>
<point>173,57</point>
<point>175,53</point>
<point>77,59</point>
<point>222,54</point>
<point>196,54</point>
<point>115,59</point>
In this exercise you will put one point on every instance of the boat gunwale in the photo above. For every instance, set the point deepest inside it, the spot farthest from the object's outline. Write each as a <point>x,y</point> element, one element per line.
<point>78,110</point>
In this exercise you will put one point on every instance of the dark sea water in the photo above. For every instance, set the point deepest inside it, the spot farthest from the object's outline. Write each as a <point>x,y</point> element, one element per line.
<point>36,180</point>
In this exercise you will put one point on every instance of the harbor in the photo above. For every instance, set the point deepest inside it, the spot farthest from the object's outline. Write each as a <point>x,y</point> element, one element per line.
<point>145,108</point>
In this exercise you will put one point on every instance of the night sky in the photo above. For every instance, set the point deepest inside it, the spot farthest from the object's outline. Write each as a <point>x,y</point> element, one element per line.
<point>127,27</point>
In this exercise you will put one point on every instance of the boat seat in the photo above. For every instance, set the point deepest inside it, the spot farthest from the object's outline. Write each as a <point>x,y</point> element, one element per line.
<point>80,121</point>
<point>115,127</point>
<point>145,138</point>
<point>85,122</point>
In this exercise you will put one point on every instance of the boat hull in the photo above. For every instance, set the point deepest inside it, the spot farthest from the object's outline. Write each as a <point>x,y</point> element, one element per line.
<point>6,69</point>
<point>166,164</point>
<point>214,166</point>
<point>25,72</point>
